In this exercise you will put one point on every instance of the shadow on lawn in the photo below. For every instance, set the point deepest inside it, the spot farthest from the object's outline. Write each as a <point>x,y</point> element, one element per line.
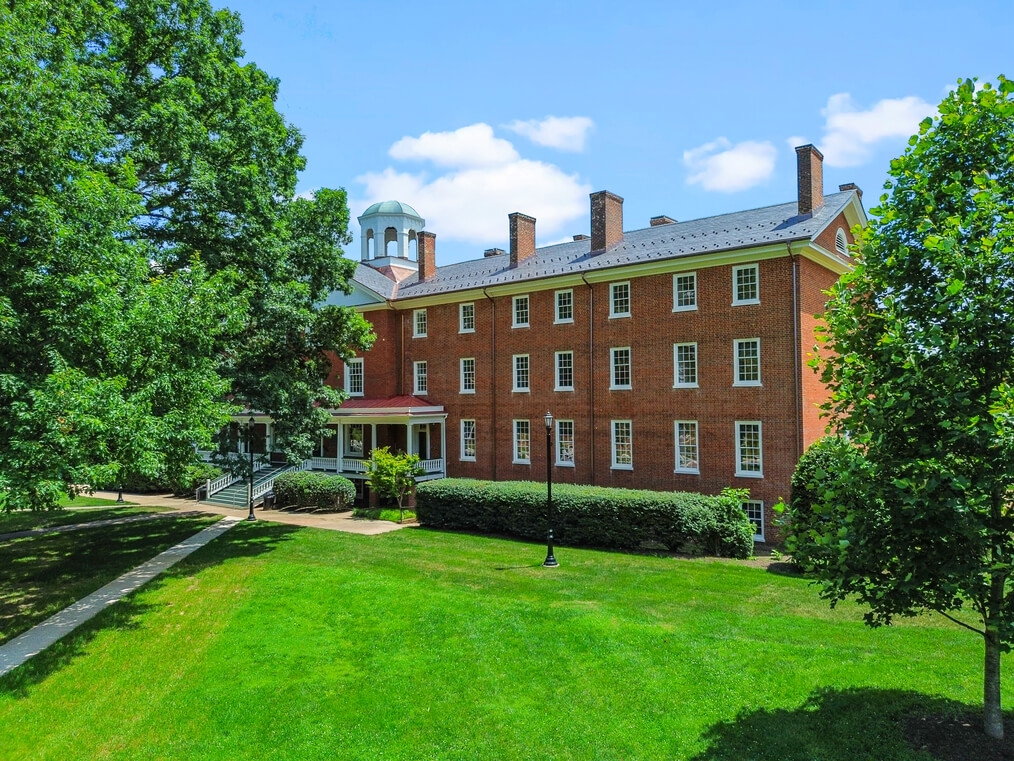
<point>246,540</point>
<point>858,725</point>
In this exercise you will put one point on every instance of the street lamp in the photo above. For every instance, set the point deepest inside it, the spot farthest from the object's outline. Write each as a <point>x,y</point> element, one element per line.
<point>550,561</point>
<point>249,445</point>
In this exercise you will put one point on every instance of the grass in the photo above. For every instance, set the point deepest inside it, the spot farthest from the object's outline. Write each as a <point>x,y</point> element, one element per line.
<point>26,520</point>
<point>384,514</point>
<point>275,642</point>
<point>85,501</point>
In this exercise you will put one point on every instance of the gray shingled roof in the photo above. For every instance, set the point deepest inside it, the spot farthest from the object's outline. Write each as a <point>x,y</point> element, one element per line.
<point>741,229</point>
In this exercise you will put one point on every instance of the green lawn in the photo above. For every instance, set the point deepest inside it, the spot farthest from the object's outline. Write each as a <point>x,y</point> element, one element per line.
<point>83,500</point>
<point>25,520</point>
<point>281,643</point>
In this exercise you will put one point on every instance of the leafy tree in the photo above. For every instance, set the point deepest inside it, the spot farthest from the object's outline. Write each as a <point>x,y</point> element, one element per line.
<point>920,368</point>
<point>393,475</point>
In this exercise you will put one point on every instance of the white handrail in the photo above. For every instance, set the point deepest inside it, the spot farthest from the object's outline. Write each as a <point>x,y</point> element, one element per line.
<point>353,465</point>
<point>435,465</point>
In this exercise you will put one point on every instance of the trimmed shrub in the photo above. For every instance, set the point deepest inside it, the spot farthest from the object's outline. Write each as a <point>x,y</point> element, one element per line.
<point>306,488</point>
<point>596,516</point>
<point>192,477</point>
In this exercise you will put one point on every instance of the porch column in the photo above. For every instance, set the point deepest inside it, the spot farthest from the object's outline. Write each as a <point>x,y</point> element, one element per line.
<point>443,445</point>
<point>373,438</point>
<point>408,438</point>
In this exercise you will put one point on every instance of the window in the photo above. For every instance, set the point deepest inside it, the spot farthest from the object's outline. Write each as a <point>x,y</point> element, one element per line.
<point>684,292</point>
<point>754,510</point>
<point>354,377</point>
<point>419,323</point>
<point>619,299</point>
<point>564,306</point>
<point>565,443</point>
<point>684,365</point>
<point>467,376</point>
<point>564,371</point>
<point>686,447</point>
<point>421,384</point>
<point>466,318</point>
<point>468,440</point>
<point>623,451</point>
<point>354,440</point>
<point>619,360</point>
<point>521,375</point>
<point>749,459</point>
<point>520,312</point>
<point>522,443</point>
<point>746,370</point>
<point>745,285</point>
<point>841,243</point>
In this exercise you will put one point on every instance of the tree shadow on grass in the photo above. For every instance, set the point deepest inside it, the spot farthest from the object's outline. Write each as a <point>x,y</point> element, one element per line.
<point>247,540</point>
<point>858,725</point>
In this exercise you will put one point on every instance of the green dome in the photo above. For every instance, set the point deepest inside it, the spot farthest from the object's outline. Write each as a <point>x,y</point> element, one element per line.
<point>391,207</point>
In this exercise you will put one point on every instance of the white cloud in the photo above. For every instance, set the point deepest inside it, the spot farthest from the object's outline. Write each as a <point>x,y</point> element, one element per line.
<point>470,146</point>
<point>722,166</point>
<point>850,133</point>
<point>566,133</point>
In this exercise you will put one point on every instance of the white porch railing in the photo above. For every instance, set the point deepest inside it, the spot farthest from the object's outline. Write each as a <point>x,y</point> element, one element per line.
<point>433,466</point>
<point>323,463</point>
<point>353,465</point>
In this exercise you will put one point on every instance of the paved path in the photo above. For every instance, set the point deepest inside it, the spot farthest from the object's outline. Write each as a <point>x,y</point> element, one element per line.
<point>38,638</point>
<point>93,524</point>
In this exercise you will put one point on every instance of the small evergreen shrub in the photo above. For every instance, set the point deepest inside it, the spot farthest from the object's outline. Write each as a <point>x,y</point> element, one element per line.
<point>624,519</point>
<point>309,489</point>
<point>192,477</point>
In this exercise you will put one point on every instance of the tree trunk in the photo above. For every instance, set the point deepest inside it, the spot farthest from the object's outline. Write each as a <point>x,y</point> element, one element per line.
<point>991,684</point>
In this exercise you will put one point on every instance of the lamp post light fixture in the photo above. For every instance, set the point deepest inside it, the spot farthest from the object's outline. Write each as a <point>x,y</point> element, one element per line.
<point>550,561</point>
<point>249,445</point>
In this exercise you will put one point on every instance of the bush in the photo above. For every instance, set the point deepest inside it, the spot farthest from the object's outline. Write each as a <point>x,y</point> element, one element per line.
<point>595,516</point>
<point>306,488</point>
<point>384,514</point>
<point>192,477</point>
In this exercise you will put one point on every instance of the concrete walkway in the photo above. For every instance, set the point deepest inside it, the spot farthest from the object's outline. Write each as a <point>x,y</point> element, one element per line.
<point>94,524</point>
<point>38,638</point>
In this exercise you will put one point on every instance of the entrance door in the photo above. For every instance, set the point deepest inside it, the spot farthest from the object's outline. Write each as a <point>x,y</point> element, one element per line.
<point>423,443</point>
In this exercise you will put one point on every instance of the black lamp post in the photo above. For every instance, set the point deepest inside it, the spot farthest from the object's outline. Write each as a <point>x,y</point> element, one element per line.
<point>550,561</point>
<point>249,444</point>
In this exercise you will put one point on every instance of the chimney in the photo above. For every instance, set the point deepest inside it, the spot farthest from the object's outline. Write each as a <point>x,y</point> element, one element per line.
<point>522,237</point>
<point>662,220</point>
<point>427,249</point>
<point>582,236</point>
<point>493,252</point>
<point>606,220</point>
<point>810,175</point>
<point>851,186</point>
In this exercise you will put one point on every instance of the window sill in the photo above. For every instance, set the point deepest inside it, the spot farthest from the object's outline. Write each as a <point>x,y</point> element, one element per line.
<point>680,472</point>
<point>521,390</point>
<point>749,475</point>
<point>467,391</point>
<point>621,467</point>
<point>619,388</point>
<point>747,384</point>
<point>352,394</point>
<point>619,316</point>
<point>685,385</point>
<point>564,465</point>
<point>685,309</point>
<point>521,462</point>
<point>564,388</point>
<point>526,325</point>
<point>421,335</point>
<point>466,459</point>
<point>564,322</point>
<point>466,330</point>
<point>745,303</point>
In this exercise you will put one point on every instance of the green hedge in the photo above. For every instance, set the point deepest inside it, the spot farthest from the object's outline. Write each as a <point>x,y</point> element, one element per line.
<point>306,488</point>
<point>595,516</point>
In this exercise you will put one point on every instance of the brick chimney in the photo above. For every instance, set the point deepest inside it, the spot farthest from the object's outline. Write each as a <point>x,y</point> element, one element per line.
<point>810,176</point>
<point>522,237</point>
<point>851,186</point>
<point>606,220</point>
<point>662,220</point>
<point>427,248</point>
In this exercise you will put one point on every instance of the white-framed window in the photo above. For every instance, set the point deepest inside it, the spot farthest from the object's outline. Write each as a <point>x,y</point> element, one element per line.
<point>687,447</point>
<point>419,323</point>
<point>467,441</point>
<point>622,445</point>
<point>522,374</point>
<point>565,443</point>
<point>354,435</point>
<point>745,285</point>
<point>564,306</point>
<point>421,381</point>
<point>746,362</point>
<point>522,443</point>
<point>754,509</point>
<point>520,312</point>
<point>466,318</point>
<point>684,362</point>
<point>684,291</point>
<point>619,368</point>
<point>841,243</point>
<point>564,371</point>
<point>749,449</point>
<point>467,375</point>
<point>619,300</point>
<point>354,377</point>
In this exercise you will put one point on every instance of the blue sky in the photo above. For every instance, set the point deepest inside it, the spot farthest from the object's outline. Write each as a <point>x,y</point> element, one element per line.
<point>470,111</point>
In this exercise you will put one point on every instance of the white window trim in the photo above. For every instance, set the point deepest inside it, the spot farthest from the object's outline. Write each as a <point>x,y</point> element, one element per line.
<point>757,537</point>
<point>736,381</point>
<point>760,441</point>
<point>514,452</point>
<point>676,442</point>
<point>675,366</point>
<point>692,308</point>
<point>556,307</point>
<point>461,317</point>
<point>514,374</point>
<point>612,445</point>
<point>362,375</point>
<point>556,447</point>
<point>630,298</point>
<point>556,371</point>
<point>415,378</point>
<point>461,446</point>
<point>612,364</point>
<point>514,312</point>
<point>461,376</point>
<point>415,323</point>
<point>735,291</point>
<point>841,242</point>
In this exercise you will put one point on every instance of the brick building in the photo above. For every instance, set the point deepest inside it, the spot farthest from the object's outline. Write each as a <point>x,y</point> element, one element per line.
<point>671,356</point>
